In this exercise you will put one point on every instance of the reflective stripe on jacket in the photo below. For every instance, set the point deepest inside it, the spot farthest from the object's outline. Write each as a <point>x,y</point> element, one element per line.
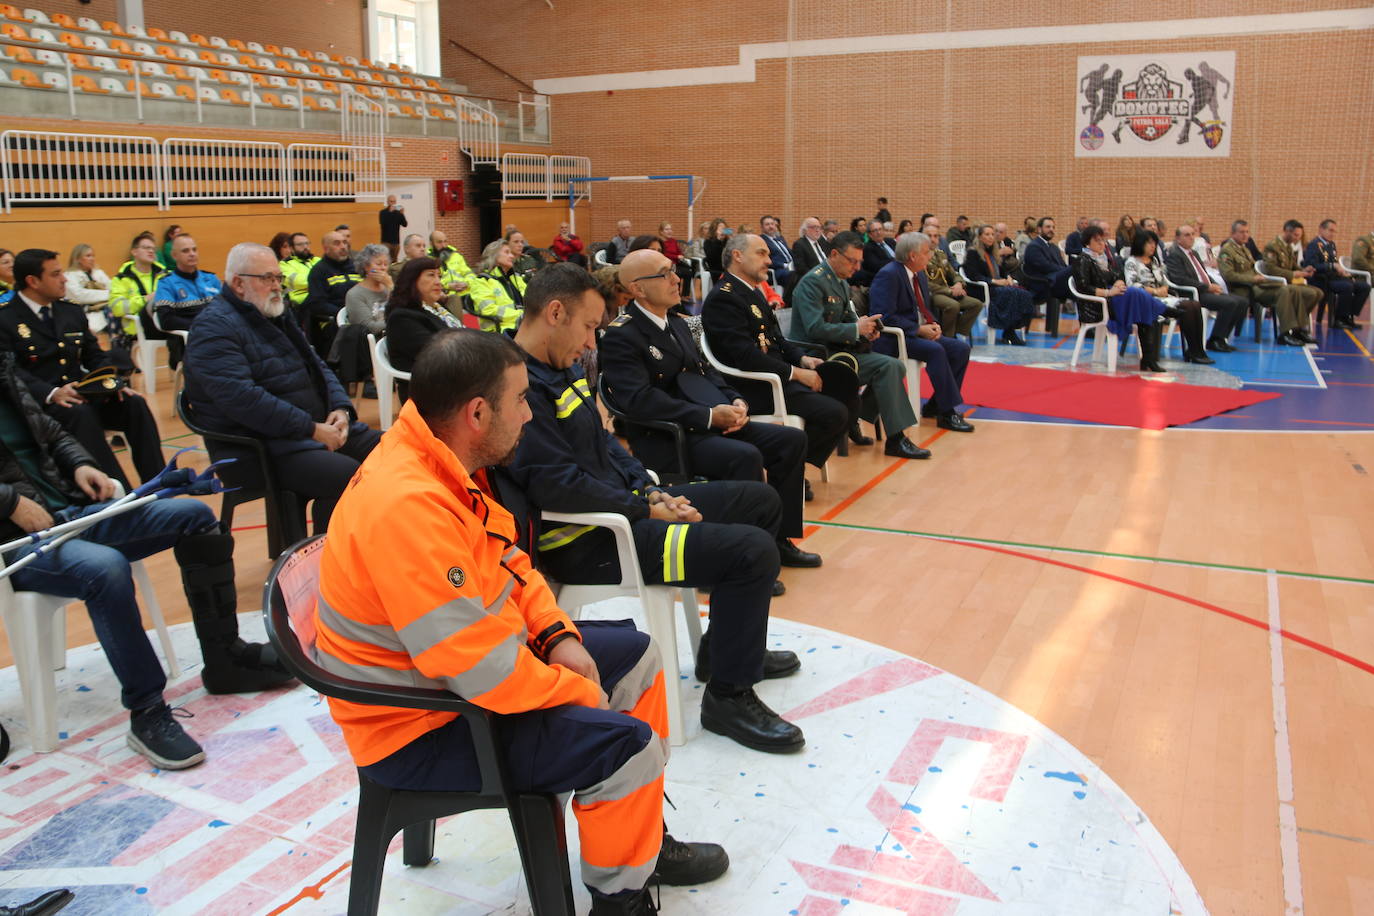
<point>420,585</point>
<point>130,291</point>
<point>493,305</point>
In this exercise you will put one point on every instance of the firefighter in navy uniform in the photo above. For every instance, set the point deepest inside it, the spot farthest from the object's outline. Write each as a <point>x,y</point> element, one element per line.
<point>54,350</point>
<point>329,282</point>
<point>718,534</point>
<point>653,367</point>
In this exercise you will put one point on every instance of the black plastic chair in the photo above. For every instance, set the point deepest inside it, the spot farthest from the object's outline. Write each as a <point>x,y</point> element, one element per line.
<point>675,430</point>
<point>285,510</point>
<point>537,819</point>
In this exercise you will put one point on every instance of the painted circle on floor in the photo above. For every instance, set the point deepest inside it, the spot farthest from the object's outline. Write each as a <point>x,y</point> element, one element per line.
<point>917,793</point>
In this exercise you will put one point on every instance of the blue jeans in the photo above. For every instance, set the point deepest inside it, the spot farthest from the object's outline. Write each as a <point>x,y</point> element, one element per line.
<point>94,567</point>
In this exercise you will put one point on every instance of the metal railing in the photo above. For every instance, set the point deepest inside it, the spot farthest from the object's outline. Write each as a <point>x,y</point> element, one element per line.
<point>562,168</point>
<point>363,131</point>
<point>220,170</point>
<point>479,132</point>
<point>533,175</point>
<point>55,168</point>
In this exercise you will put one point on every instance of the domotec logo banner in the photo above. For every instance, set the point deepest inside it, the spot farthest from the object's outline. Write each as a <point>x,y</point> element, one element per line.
<point>1155,105</point>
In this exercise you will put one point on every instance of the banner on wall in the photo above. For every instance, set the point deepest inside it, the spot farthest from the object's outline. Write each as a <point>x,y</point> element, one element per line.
<point>1132,105</point>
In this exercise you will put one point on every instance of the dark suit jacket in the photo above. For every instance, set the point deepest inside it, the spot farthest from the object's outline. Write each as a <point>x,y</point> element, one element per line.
<point>407,332</point>
<point>734,318</point>
<point>1039,265</point>
<point>892,298</point>
<point>877,255</point>
<point>659,374</point>
<point>779,255</point>
<point>804,256</point>
<point>1178,267</point>
<point>49,357</point>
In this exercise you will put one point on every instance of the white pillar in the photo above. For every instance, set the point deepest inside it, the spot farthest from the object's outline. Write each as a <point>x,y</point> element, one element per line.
<point>129,13</point>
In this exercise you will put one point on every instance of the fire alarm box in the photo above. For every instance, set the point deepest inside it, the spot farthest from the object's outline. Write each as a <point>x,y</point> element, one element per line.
<point>448,195</point>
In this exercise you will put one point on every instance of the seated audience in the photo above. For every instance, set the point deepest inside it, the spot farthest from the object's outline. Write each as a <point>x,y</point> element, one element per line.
<point>454,271</point>
<point>164,256</point>
<point>1012,307</point>
<point>808,250</point>
<point>1125,234</point>
<point>524,261</point>
<point>829,229</point>
<point>414,314</point>
<point>713,246</point>
<point>961,231</point>
<point>55,350</point>
<point>619,245</point>
<point>1361,256</point>
<point>1238,269</point>
<point>613,292</point>
<point>1098,273</point>
<point>743,333</point>
<point>901,297</point>
<point>859,224</point>
<point>1043,265</point>
<point>1185,268</point>
<point>497,292</point>
<point>779,253</point>
<point>412,246</point>
<point>651,242</point>
<point>1145,270</point>
<point>131,289</point>
<point>1004,250</point>
<point>1283,258</point>
<point>329,283</point>
<point>673,251</point>
<point>1029,230</point>
<point>47,478</point>
<point>1345,295</point>
<point>823,313</point>
<point>87,285</point>
<point>420,584</point>
<point>365,303</point>
<point>651,364</point>
<point>1073,242</point>
<point>954,308</point>
<point>182,293</point>
<point>296,268</point>
<point>878,253</point>
<point>566,461</point>
<point>566,246</point>
<point>250,372</point>
<point>6,273</point>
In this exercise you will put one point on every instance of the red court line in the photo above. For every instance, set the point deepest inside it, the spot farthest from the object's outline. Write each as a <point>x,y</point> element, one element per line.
<point>1061,342</point>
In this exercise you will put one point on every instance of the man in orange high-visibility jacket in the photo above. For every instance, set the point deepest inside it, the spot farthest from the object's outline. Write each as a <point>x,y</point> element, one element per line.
<point>421,584</point>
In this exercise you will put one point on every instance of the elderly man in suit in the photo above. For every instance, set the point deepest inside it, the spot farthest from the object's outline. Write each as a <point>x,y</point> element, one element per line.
<point>808,251</point>
<point>1238,270</point>
<point>901,296</point>
<point>878,254</point>
<point>1046,272</point>
<point>744,334</point>
<point>1282,259</point>
<point>1184,268</point>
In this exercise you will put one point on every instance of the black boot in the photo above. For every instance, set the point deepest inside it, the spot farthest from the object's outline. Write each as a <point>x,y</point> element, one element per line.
<point>1149,349</point>
<point>207,574</point>
<point>639,903</point>
<point>45,905</point>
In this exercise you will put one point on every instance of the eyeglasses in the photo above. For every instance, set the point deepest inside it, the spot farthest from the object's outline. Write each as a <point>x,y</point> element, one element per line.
<point>854,262</point>
<point>662,275</point>
<point>270,278</point>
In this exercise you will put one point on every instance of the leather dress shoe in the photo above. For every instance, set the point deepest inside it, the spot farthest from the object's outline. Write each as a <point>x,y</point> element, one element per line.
<point>45,905</point>
<point>954,422</point>
<point>778,588</point>
<point>776,662</point>
<point>1012,338</point>
<point>1290,339</point>
<point>746,719</point>
<point>856,435</point>
<point>1220,346</point>
<point>806,491</point>
<point>686,864</point>
<point>1200,358</point>
<point>900,446</point>
<point>790,554</point>
<point>1304,335</point>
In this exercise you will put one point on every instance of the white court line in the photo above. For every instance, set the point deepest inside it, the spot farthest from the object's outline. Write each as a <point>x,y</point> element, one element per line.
<point>1316,373</point>
<point>1283,759</point>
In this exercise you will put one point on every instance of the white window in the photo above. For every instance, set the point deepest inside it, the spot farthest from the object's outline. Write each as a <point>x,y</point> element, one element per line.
<point>406,32</point>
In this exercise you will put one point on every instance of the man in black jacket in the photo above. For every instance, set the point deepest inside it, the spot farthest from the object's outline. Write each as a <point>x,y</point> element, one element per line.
<point>54,349</point>
<point>653,367</point>
<point>714,534</point>
<point>743,334</point>
<point>808,250</point>
<point>877,255</point>
<point>1184,268</point>
<point>329,283</point>
<point>46,478</point>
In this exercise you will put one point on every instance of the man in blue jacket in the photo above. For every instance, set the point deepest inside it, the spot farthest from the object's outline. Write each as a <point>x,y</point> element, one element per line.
<point>1345,295</point>
<point>1046,272</point>
<point>251,372</point>
<point>182,294</point>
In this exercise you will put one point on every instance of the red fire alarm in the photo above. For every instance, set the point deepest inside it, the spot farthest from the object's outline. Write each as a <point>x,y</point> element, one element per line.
<point>448,194</point>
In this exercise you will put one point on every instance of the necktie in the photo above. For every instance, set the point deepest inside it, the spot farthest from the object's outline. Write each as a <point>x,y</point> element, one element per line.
<point>1197,266</point>
<point>820,258</point>
<point>926,316</point>
<point>45,315</point>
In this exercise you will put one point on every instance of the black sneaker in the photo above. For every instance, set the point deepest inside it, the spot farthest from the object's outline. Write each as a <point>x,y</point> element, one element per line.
<point>685,864</point>
<point>155,733</point>
<point>640,903</point>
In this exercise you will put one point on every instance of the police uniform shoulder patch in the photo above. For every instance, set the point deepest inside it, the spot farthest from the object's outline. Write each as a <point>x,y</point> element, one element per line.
<point>621,319</point>
<point>755,310</point>
<point>456,577</point>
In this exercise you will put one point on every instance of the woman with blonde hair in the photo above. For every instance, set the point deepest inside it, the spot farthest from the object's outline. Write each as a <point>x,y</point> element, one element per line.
<point>88,286</point>
<point>498,292</point>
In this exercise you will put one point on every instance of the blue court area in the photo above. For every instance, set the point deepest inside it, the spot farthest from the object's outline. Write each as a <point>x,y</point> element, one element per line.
<point>1326,388</point>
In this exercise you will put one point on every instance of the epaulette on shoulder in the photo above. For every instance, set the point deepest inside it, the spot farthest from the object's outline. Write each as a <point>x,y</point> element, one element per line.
<point>621,319</point>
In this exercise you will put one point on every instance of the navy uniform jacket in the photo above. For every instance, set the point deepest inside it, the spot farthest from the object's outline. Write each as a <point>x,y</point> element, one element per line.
<point>47,358</point>
<point>877,255</point>
<point>1041,262</point>
<point>1321,256</point>
<point>744,332</point>
<point>658,373</point>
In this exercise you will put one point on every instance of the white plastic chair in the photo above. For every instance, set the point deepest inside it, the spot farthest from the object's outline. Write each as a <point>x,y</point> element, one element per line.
<point>1103,336</point>
<point>385,377</point>
<point>341,317</point>
<point>36,625</point>
<point>147,356</point>
<point>599,259</point>
<point>913,370</point>
<point>956,251</point>
<point>657,601</point>
<point>987,304</point>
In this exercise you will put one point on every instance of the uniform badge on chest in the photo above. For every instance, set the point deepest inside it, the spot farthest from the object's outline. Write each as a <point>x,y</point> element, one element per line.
<point>24,331</point>
<point>756,311</point>
<point>655,352</point>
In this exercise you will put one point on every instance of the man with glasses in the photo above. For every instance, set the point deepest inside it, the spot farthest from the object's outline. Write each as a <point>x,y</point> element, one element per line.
<point>249,372</point>
<point>1184,268</point>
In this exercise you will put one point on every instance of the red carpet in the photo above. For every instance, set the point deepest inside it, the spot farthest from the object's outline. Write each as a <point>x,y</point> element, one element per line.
<point>1123,401</point>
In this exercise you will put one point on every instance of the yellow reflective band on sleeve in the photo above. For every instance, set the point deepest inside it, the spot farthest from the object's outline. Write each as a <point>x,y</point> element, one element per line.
<point>562,536</point>
<point>675,553</point>
<point>571,398</point>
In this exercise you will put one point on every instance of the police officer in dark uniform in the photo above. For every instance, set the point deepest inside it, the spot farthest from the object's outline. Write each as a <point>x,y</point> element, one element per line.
<point>1345,295</point>
<point>719,534</point>
<point>55,350</point>
<point>650,362</point>
<point>743,334</point>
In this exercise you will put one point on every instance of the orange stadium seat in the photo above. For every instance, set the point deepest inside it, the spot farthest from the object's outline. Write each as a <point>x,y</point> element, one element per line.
<point>70,40</point>
<point>208,56</point>
<point>247,60</point>
<point>112,27</point>
<point>176,71</point>
<point>331,87</point>
<point>81,62</point>
<point>232,97</point>
<point>237,45</point>
<point>63,20</point>
<point>199,39</point>
<point>16,32</point>
<point>120,45</point>
<point>26,78</point>
<point>22,55</point>
<point>159,34</point>
<point>126,65</point>
<point>272,49</point>
<point>317,70</point>
<point>186,92</point>
<point>13,12</point>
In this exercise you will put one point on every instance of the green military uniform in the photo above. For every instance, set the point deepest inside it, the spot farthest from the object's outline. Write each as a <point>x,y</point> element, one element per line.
<point>1362,258</point>
<point>1238,270</point>
<point>822,313</point>
<point>957,314</point>
<point>1282,261</point>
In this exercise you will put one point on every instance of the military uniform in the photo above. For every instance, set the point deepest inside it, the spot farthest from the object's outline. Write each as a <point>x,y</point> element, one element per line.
<point>1362,256</point>
<point>1344,294</point>
<point>1238,270</point>
<point>1281,261</point>
<point>60,350</point>
<point>957,314</point>
<point>744,334</point>
<point>822,313</point>
<point>658,373</point>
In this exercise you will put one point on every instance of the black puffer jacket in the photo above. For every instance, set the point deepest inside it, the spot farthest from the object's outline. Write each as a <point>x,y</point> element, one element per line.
<point>59,454</point>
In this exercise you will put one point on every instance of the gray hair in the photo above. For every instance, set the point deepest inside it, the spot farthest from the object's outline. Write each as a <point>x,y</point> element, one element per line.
<point>414,235</point>
<point>366,256</point>
<point>910,243</point>
<point>801,230</point>
<point>240,260</point>
<point>488,262</point>
<point>738,242</point>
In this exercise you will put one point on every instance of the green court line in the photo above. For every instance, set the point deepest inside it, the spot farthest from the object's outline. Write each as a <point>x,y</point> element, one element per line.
<point>936,536</point>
